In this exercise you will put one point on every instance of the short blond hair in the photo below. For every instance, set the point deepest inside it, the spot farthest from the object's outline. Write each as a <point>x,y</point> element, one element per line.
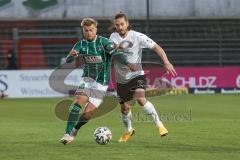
<point>89,22</point>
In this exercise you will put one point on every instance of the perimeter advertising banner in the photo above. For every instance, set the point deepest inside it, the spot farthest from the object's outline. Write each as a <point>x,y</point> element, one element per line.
<point>206,77</point>
<point>35,83</point>
<point>32,83</point>
<point>203,79</point>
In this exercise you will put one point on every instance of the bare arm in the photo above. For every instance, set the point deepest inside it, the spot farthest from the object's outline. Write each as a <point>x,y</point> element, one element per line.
<point>167,65</point>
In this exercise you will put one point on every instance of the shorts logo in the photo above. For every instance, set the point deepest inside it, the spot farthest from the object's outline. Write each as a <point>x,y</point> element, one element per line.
<point>81,86</point>
<point>140,81</point>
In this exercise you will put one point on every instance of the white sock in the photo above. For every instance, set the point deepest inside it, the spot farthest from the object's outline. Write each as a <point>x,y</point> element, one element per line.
<point>127,121</point>
<point>149,109</point>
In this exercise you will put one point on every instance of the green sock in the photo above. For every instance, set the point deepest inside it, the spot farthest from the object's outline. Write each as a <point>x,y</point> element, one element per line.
<point>73,117</point>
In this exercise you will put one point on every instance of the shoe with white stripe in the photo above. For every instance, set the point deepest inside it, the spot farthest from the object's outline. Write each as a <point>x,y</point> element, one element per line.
<point>66,139</point>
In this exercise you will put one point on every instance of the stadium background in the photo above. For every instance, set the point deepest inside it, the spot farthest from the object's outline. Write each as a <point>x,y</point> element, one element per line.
<point>38,34</point>
<point>200,37</point>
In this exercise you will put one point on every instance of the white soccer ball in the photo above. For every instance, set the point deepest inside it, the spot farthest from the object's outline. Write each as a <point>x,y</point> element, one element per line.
<point>102,135</point>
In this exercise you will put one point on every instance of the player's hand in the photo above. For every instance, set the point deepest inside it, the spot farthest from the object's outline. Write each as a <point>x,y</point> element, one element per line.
<point>170,69</point>
<point>132,67</point>
<point>72,53</point>
<point>70,56</point>
<point>116,46</point>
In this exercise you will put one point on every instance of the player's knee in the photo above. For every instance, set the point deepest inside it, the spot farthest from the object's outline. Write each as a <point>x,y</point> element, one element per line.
<point>141,101</point>
<point>81,98</point>
<point>89,111</point>
<point>139,93</point>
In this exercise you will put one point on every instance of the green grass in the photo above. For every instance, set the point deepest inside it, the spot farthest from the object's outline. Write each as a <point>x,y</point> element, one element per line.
<point>30,130</point>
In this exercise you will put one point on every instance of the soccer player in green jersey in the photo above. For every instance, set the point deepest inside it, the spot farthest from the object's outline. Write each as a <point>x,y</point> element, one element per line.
<point>96,52</point>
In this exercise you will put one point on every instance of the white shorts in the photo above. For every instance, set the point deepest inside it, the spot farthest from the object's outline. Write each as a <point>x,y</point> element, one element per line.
<point>94,90</point>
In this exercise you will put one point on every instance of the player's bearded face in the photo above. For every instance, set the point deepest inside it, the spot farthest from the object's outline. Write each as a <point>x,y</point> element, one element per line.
<point>89,32</point>
<point>121,26</point>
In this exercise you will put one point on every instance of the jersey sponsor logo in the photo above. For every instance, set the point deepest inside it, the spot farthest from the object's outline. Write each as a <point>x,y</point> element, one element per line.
<point>93,59</point>
<point>125,45</point>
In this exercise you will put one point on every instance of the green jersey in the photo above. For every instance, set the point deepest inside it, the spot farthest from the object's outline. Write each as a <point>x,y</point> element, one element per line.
<point>97,58</point>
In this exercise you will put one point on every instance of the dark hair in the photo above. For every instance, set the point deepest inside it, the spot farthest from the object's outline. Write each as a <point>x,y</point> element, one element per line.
<point>121,15</point>
<point>117,16</point>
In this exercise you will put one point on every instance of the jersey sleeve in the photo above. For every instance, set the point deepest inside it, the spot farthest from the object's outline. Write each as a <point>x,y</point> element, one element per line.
<point>108,45</point>
<point>120,57</point>
<point>77,47</point>
<point>146,42</point>
<point>112,38</point>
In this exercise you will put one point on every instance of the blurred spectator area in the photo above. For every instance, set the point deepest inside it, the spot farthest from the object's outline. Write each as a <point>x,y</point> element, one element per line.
<point>37,45</point>
<point>187,42</point>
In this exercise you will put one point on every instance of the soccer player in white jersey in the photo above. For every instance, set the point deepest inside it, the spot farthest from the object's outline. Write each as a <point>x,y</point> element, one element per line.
<point>131,81</point>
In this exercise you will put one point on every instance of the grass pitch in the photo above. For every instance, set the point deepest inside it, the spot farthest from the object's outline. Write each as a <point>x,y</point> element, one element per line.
<point>200,127</point>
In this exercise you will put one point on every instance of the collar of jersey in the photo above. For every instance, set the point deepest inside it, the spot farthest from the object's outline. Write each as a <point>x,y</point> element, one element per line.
<point>126,35</point>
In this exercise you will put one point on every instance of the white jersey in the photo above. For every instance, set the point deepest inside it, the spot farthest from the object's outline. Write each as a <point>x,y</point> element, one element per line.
<point>132,46</point>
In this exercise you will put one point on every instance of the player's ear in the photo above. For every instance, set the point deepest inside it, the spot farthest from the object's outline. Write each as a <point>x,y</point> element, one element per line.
<point>128,25</point>
<point>82,30</point>
<point>95,28</point>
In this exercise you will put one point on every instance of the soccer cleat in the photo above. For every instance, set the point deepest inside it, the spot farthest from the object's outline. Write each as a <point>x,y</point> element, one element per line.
<point>125,137</point>
<point>163,131</point>
<point>66,139</point>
